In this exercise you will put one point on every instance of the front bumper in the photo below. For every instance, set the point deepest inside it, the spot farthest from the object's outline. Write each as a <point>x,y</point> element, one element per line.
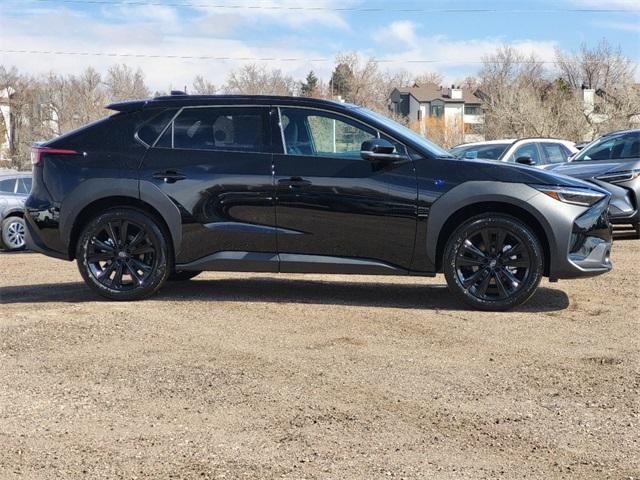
<point>587,251</point>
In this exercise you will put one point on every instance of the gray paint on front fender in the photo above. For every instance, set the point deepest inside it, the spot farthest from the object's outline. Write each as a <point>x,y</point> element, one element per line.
<point>555,218</point>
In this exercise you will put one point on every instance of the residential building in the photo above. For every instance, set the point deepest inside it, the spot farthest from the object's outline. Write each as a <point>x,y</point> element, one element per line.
<point>447,115</point>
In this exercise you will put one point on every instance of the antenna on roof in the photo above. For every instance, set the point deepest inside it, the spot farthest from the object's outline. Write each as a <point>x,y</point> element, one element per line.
<point>177,92</point>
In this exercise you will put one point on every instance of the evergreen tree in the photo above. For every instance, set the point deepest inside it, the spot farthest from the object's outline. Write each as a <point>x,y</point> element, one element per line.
<point>310,86</point>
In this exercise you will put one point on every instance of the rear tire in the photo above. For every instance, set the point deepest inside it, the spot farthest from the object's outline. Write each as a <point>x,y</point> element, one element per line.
<point>13,234</point>
<point>182,275</point>
<point>493,262</point>
<point>123,254</point>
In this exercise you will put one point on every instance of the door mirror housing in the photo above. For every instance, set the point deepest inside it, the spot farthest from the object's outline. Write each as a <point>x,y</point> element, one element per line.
<point>379,150</point>
<point>525,160</point>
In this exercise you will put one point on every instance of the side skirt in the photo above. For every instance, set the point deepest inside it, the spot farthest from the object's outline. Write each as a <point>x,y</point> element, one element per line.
<point>231,261</point>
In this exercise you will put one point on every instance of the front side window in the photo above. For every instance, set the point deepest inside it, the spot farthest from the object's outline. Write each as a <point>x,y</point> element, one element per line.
<point>554,152</point>
<point>529,150</point>
<point>616,148</point>
<point>241,129</point>
<point>8,185</point>
<point>318,133</point>
<point>491,151</point>
<point>24,185</point>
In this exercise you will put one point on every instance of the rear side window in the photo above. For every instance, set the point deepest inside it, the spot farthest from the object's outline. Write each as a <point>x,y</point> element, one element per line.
<point>554,152</point>
<point>150,130</point>
<point>241,129</point>
<point>8,185</point>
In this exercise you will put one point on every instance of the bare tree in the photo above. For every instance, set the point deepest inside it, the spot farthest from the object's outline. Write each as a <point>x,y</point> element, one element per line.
<point>429,77</point>
<point>123,83</point>
<point>201,86</point>
<point>257,80</point>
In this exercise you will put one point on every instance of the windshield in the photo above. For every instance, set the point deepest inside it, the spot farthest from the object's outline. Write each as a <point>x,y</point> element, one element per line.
<point>404,132</point>
<point>492,151</point>
<point>613,147</point>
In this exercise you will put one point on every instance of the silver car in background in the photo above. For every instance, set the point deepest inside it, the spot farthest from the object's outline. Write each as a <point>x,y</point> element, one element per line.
<point>14,190</point>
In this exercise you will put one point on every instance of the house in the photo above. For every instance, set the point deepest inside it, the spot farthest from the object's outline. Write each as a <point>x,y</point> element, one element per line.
<point>447,115</point>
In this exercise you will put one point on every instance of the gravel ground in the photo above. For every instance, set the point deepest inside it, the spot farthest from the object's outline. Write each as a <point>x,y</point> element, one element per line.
<point>255,376</point>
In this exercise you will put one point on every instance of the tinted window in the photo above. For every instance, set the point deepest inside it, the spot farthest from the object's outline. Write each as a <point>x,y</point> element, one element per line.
<point>24,185</point>
<point>529,150</point>
<point>554,152</point>
<point>312,132</point>
<point>616,148</point>
<point>221,128</point>
<point>8,185</point>
<point>489,152</point>
<point>149,131</point>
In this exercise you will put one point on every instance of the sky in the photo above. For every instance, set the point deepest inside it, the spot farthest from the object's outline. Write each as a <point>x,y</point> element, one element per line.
<point>162,37</point>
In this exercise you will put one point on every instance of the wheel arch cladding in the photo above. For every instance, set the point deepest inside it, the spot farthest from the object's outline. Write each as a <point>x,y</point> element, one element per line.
<point>473,198</point>
<point>92,198</point>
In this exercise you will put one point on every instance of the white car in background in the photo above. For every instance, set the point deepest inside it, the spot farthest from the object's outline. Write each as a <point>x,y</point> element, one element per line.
<point>539,152</point>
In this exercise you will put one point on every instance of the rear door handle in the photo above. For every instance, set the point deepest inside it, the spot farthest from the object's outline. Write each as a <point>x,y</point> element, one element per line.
<point>294,182</point>
<point>169,176</point>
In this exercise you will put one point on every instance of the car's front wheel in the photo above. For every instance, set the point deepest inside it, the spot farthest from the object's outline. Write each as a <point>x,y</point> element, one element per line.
<point>13,233</point>
<point>493,262</point>
<point>123,254</point>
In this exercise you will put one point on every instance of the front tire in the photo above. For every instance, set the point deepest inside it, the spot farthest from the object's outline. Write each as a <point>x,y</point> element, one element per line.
<point>122,254</point>
<point>13,233</point>
<point>493,262</point>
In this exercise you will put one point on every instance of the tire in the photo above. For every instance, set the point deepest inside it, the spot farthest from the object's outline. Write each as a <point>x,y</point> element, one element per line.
<point>183,275</point>
<point>13,234</point>
<point>478,274</point>
<point>123,254</point>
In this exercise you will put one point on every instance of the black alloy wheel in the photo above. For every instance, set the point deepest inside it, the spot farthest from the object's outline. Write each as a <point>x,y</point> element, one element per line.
<point>122,254</point>
<point>493,262</point>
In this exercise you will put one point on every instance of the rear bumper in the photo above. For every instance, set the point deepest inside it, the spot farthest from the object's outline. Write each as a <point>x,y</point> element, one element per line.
<point>43,233</point>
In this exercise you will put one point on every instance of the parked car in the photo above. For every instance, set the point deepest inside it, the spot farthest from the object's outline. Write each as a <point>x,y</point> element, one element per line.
<point>539,152</point>
<point>14,189</point>
<point>612,162</point>
<point>171,186</point>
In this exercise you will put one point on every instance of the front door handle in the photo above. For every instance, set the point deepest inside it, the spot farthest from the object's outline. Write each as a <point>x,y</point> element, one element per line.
<point>169,176</point>
<point>294,182</point>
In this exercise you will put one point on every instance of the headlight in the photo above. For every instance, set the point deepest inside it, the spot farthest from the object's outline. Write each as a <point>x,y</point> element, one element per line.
<point>623,176</point>
<point>575,196</point>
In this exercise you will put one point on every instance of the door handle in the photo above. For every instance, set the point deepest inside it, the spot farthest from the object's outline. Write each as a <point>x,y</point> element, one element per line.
<point>169,176</point>
<point>294,182</point>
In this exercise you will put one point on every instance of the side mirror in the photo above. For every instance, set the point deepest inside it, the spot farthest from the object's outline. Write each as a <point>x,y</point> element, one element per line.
<point>379,150</point>
<point>525,160</point>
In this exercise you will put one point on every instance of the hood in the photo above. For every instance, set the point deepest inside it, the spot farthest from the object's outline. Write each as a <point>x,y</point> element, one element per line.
<point>516,173</point>
<point>589,170</point>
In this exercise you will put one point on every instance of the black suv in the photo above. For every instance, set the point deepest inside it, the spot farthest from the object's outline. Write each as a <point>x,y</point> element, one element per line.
<point>171,186</point>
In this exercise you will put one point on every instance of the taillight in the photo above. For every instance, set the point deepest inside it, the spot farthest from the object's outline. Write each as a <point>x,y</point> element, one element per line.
<point>37,152</point>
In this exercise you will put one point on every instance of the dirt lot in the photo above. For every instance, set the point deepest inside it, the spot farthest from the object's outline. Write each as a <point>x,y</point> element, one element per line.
<point>252,376</point>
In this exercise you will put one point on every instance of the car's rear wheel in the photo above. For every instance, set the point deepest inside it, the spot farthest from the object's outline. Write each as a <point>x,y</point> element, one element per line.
<point>182,275</point>
<point>13,233</point>
<point>122,254</point>
<point>493,262</point>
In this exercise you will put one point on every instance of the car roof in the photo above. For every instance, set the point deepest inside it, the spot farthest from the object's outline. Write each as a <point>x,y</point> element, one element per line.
<point>182,100</point>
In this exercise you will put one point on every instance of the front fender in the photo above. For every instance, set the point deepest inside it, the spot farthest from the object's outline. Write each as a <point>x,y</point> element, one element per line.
<point>475,192</point>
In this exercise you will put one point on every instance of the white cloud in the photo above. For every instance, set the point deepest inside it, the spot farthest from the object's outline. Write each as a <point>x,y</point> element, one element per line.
<point>449,56</point>
<point>162,33</point>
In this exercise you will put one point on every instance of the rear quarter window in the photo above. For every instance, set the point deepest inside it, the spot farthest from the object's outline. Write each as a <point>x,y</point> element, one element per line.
<point>8,185</point>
